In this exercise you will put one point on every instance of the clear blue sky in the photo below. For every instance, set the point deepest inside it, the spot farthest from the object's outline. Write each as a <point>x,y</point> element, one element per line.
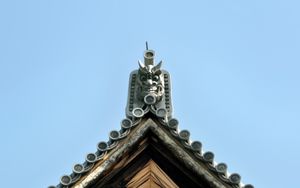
<point>64,68</point>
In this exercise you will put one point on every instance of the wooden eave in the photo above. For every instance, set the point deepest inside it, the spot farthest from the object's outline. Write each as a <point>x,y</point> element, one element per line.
<point>149,141</point>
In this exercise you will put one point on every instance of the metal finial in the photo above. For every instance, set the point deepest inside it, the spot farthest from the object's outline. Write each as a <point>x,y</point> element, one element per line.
<point>146,45</point>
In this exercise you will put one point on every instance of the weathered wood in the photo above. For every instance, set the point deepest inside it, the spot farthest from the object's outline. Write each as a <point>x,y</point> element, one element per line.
<point>149,140</point>
<point>151,176</point>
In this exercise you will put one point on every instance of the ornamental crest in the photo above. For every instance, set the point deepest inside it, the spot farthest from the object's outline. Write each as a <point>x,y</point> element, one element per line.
<point>149,90</point>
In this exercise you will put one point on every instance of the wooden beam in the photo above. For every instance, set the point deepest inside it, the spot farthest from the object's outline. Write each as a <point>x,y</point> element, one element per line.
<point>151,176</point>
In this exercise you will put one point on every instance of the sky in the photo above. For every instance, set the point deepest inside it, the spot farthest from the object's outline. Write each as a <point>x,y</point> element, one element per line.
<point>65,65</point>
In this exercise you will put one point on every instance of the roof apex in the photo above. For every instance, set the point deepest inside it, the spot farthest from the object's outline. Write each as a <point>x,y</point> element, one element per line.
<point>149,96</point>
<point>177,143</point>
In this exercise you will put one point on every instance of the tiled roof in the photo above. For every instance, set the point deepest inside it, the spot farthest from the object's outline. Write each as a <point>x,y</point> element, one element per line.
<point>150,94</point>
<point>183,136</point>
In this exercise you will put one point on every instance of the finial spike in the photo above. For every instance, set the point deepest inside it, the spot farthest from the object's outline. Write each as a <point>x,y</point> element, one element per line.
<point>146,45</point>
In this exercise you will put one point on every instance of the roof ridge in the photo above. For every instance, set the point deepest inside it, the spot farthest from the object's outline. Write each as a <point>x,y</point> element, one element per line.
<point>183,136</point>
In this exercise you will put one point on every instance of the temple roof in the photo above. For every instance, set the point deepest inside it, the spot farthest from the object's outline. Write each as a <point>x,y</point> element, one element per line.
<point>188,153</point>
<point>150,133</point>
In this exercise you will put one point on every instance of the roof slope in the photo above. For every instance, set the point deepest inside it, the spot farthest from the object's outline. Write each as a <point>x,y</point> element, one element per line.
<point>124,145</point>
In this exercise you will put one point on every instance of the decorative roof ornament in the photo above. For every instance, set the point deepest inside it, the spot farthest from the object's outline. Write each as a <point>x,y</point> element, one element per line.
<point>149,90</point>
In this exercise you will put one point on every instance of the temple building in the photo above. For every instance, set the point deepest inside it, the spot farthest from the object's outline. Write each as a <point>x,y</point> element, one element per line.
<point>149,150</point>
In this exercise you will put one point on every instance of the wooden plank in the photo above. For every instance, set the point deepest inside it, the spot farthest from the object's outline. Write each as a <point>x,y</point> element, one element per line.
<point>151,176</point>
